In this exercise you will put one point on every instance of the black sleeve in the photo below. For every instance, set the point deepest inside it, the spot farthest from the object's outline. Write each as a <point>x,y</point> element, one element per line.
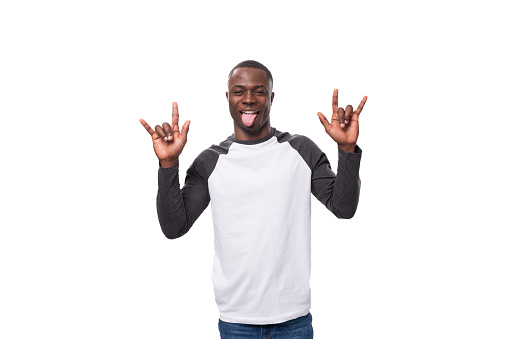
<point>177,208</point>
<point>338,192</point>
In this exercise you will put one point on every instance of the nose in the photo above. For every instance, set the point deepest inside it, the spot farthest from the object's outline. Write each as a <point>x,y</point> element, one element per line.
<point>249,98</point>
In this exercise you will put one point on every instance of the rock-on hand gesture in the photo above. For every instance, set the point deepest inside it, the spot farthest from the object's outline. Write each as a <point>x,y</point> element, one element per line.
<point>168,140</point>
<point>344,125</point>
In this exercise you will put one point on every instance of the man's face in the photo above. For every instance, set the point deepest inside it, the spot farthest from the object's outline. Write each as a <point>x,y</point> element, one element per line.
<point>250,98</point>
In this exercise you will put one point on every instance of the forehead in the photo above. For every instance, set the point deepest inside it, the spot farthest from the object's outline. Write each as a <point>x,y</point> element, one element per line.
<point>248,76</point>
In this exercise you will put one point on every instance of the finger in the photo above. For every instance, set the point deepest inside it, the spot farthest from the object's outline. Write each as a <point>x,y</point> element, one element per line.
<point>324,121</point>
<point>175,129</point>
<point>147,127</point>
<point>335,117</point>
<point>168,132</point>
<point>359,108</point>
<point>185,130</point>
<point>175,114</point>
<point>334,101</point>
<point>160,131</point>
<point>341,117</point>
<point>348,113</point>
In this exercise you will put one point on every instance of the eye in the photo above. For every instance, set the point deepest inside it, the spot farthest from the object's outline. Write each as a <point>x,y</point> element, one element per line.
<point>260,92</point>
<point>238,92</point>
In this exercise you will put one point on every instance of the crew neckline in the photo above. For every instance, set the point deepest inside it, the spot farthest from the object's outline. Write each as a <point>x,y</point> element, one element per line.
<point>256,141</point>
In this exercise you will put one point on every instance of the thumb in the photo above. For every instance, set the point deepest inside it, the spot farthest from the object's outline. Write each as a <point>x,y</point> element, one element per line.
<point>185,130</point>
<point>324,122</point>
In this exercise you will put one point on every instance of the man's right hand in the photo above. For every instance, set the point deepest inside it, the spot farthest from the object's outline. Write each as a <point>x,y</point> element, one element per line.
<point>168,140</point>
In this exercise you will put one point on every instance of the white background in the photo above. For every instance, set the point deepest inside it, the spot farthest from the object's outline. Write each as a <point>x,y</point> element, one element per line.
<point>81,251</point>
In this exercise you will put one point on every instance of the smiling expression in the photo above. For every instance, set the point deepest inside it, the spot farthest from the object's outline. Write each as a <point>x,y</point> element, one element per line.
<point>250,97</point>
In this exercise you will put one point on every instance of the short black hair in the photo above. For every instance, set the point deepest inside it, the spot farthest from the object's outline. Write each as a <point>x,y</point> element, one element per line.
<point>252,64</point>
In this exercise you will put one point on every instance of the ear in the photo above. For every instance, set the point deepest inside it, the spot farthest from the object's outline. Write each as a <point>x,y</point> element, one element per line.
<point>226,96</point>
<point>272,97</point>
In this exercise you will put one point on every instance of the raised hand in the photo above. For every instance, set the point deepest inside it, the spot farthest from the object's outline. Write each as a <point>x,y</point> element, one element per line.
<point>168,140</point>
<point>344,125</point>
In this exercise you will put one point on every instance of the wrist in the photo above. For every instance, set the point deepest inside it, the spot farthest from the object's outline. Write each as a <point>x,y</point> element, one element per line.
<point>166,163</point>
<point>347,148</point>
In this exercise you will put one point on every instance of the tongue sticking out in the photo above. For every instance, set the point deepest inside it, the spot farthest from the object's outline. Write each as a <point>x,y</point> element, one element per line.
<point>247,118</point>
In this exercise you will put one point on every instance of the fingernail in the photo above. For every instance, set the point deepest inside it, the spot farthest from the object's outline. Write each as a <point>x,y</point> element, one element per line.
<point>346,121</point>
<point>342,124</point>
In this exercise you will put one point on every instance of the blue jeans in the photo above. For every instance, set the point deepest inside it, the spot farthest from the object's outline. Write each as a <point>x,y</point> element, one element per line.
<point>299,328</point>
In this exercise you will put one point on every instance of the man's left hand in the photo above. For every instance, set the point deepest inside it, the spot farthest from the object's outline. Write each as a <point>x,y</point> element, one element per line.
<point>344,125</point>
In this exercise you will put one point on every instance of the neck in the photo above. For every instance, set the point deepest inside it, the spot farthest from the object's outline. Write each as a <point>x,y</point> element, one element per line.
<point>245,135</point>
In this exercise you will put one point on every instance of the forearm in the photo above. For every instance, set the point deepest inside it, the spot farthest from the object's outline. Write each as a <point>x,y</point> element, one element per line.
<point>170,204</point>
<point>338,192</point>
<point>177,208</point>
<point>345,196</point>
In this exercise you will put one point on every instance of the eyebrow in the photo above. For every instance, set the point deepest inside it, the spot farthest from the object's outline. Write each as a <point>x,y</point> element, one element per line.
<point>241,86</point>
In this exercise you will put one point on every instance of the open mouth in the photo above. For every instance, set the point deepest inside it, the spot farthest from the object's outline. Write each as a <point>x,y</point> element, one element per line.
<point>248,117</point>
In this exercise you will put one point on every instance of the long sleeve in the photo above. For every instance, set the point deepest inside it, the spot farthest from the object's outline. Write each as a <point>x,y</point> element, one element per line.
<point>338,192</point>
<point>177,208</point>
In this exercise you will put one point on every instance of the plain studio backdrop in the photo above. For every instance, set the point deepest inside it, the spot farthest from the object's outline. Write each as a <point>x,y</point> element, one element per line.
<point>81,251</point>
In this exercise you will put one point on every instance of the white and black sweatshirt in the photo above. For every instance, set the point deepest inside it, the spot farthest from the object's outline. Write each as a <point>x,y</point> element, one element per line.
<point>260,194</point>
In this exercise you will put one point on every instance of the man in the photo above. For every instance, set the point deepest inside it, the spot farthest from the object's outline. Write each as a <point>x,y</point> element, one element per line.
<point>259,182</point>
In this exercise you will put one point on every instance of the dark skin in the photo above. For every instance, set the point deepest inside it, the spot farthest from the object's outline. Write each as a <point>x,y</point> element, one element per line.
<point>344,125</point>
<point>168,141</point>
<point>250,90</point>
